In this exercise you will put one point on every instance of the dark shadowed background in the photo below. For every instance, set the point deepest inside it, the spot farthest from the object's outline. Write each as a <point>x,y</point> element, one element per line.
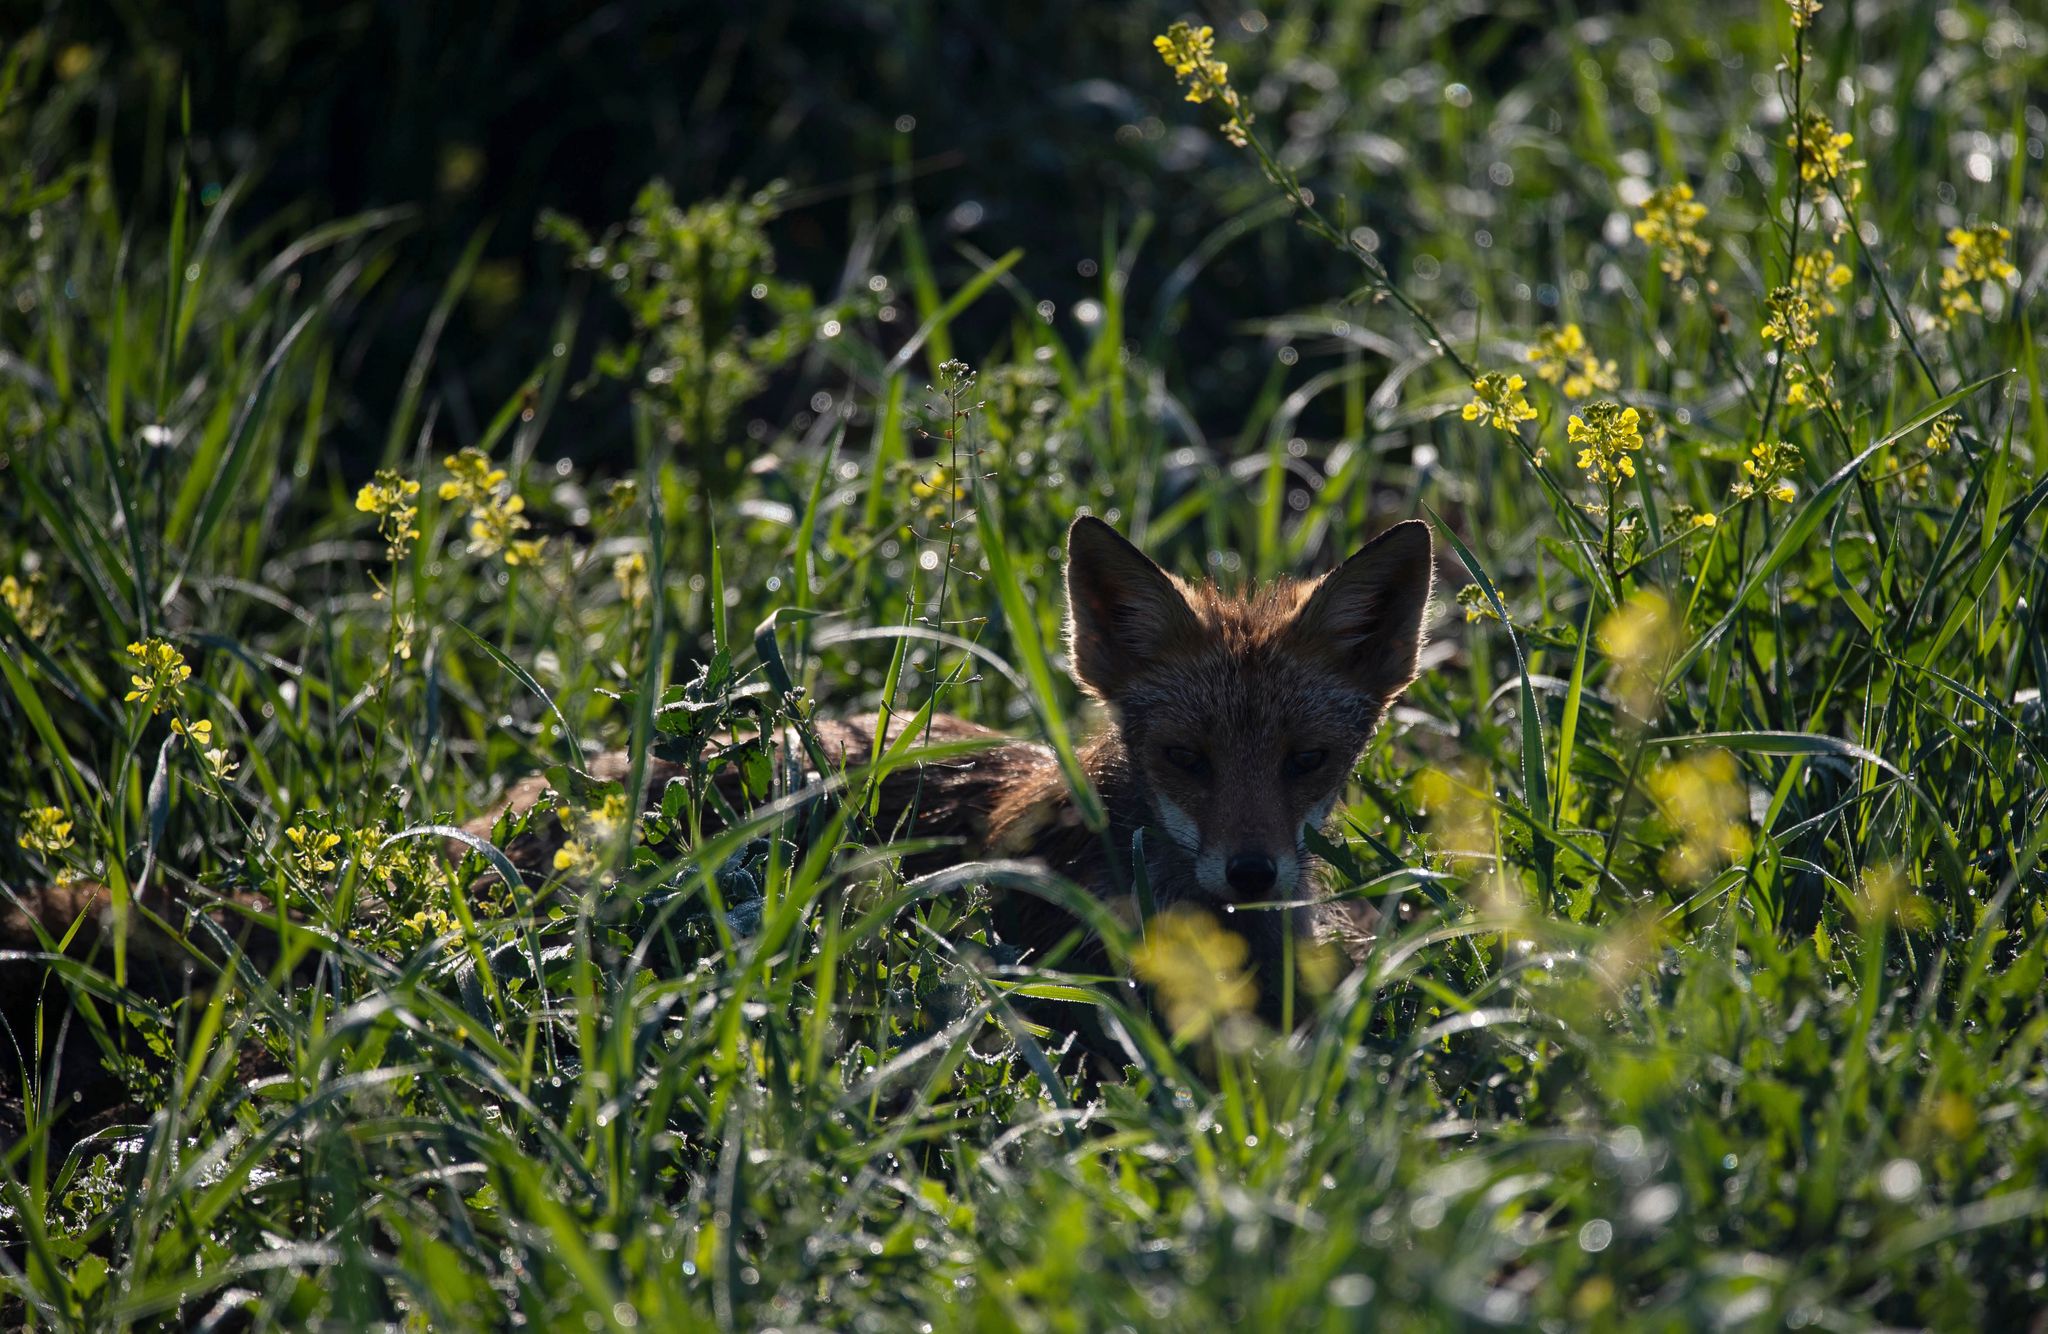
<point>1048,126</point>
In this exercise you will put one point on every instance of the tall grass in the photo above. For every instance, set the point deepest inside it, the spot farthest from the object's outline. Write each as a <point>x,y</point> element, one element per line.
<point>1710,988</point>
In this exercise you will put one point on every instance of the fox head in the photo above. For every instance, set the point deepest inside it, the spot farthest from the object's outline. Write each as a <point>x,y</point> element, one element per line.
<point>1241,718</point>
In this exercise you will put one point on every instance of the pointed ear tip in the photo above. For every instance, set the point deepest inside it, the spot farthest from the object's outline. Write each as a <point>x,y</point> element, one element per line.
<point>1407,542</point>
<point>1410,531</point>
<point>1087,528</point>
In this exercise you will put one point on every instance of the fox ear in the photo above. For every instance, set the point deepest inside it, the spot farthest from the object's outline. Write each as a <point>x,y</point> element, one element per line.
<point>1123,611</point>
<point>1366,614</point>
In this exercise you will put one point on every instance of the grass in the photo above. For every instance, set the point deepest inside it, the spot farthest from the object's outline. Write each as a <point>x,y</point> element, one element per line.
<point>1712,991</point>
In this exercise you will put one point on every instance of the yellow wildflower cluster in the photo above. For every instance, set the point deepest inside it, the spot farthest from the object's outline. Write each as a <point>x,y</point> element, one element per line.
<point>1768,471</point>
<point>200,734</point>
<point>1942,434</point>
<point>629,572</point>
<point>425,925</point>
<point>1918,475</point>
<point>1197,968</point>
<point>1606,435</point>
<point>1980,258</point>
<point>1670,225</point>
<point>310,852</point>
<point>1791,319</point>
<point>163,674</point>
<point>496,513</point>
<point>1803,12</point>
<point>1822,154</point>
<point>1703,798</point>
<point>1639,637</point>
<point>1817,275</point>
<point>390,497</point>
<point>1191,52</point>
<point>44,831</point>
<point>1457,805</point>
<point>24,601</point>
<point>1562,357</point>
<point>1499,399</point>
<point>1809,388</point>
<point>1885,895</point>
<point>591,833</point>
<point>1477,606</point>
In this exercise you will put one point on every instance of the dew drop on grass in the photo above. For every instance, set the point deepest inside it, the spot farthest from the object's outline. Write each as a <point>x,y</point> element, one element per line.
<point>1899,1180</point>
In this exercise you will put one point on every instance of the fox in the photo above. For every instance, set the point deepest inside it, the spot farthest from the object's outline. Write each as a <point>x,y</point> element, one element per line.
<point>1231,724</point>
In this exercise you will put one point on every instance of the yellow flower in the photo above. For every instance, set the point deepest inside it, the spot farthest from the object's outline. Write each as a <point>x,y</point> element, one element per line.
<point>1803,11</point>
<point>1822,153</point>
<point>1606,435</point>
<point>1768,471</point>
<point>23,600</point>
<point>1816,274</point>
<point>471,478</point>
<point>1458,808</point>
<point>390,497</point>
<point>1640,637</point>
<point>497,515</point>
<point>1670,225</point>
<point>1791,319</point>
<point>1198,969</point>
<point>1562,357</point>
<point>44,830</point>
<point>1191,53</point>
<point>1887,896</point>
<point>1477,606</point>
<point>630,573</point>
<point>220,766</point>
<point>1942,433</point>
<point>1703,798</point>
<point>425,925</point>
<point>592,835</point>
<point>200,734</point>
<point>1980,258</point>
<point>1498,398</point>
<point>1809,389</point>
<point>524,550</point>
<point>163,673</point>
<point>312,850</point>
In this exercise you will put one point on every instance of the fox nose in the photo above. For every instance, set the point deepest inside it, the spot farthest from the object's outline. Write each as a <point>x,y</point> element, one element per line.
<point>1251,872</point>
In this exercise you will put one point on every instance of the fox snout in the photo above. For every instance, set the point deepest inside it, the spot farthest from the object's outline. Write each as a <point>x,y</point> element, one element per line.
<point>1248,877</point>
<point>1251,873</point>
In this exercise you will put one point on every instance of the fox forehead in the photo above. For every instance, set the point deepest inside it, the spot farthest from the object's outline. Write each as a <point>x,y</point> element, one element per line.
<point>1237,693</point>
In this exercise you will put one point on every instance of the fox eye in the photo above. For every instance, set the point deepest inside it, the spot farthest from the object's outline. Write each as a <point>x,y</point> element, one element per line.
<point>1180,757</point>
<point>1304,762</point>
